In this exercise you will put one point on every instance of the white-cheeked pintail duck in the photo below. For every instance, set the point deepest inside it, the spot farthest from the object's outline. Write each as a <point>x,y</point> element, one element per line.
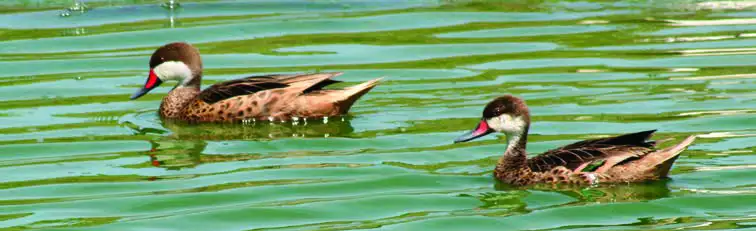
<point>271,97</point>
<point>619,159</point>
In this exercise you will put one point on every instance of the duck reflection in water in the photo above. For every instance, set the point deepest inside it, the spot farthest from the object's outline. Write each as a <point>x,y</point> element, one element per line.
<point>511,200</point>
<point>632,192</point>
<point>184,147</point>
<point>260,130</point>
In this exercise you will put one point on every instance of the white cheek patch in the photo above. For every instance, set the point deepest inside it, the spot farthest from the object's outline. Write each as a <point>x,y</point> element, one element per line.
<point>496,124</point>
<point>507,124</point>
<point>174,70</point>
<point>512,126</point>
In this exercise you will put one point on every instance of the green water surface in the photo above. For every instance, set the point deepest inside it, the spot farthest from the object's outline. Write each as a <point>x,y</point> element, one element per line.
<point>76,154</point>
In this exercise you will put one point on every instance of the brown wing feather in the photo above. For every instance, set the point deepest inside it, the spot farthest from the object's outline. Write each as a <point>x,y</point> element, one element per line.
<point>250,85</point>
<point>287,79</point>
<point>633,139</point>
<point>573,155</point>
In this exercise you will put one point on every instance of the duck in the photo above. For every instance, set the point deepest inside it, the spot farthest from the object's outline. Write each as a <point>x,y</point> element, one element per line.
<point>275,97</point>
<point>623,158</point>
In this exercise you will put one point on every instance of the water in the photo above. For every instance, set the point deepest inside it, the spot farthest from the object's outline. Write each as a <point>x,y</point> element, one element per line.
<point>75,153</point>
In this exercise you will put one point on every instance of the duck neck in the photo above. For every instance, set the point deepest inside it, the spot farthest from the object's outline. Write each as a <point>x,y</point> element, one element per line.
<point>177,100</point>
<point>191,82</point>
<point>516,155</point>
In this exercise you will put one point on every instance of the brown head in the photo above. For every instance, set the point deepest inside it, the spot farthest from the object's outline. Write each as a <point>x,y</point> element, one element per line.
<point>174,61</point>
<point>507,114</point>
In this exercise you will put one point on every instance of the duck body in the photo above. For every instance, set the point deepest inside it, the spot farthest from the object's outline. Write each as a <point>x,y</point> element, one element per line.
<point>273,98</point>
<point>618,159</point>
<point>269,97</point>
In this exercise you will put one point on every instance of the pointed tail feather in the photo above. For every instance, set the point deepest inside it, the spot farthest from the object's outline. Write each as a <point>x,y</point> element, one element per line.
<point>662,160</point>
<point>349,95</point>
<point>681,146</point>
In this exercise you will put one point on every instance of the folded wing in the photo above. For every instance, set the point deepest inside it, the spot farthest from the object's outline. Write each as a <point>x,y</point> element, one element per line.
<point>578,155</point>
<point>250,85</point>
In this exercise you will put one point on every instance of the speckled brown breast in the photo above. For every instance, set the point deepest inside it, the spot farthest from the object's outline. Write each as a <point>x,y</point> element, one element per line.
<point>173,105</point>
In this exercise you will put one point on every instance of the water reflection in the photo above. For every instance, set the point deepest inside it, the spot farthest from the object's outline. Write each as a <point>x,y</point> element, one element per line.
<point>77,8</point>
<point>511,201</point>
<point>171,4</point>
<point>149,124</point>
<point>258,130</point>
<point>605,193</point>
<point>176,154</point>
<point>77,31</point>
<point>172,8</point>
<point>184,146</point>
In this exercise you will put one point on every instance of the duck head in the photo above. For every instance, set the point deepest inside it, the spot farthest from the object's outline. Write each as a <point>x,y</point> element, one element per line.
<point>506,114</point>
<point>173,61</point>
